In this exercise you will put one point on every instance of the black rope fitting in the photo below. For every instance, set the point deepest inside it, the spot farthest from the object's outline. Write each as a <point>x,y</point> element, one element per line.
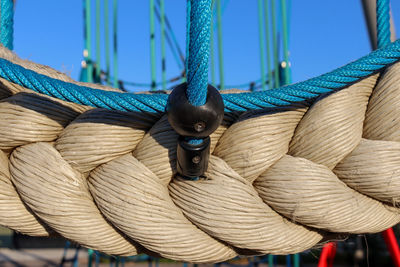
<point>191,121</point>
<point>192,159</point>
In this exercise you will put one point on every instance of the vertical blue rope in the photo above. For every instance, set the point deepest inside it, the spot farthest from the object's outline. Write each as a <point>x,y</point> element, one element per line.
<point>198,50</point>
<point>383,22</point>
<point>7,23</point>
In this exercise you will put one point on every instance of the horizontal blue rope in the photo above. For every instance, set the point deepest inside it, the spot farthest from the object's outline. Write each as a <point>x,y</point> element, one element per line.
<point>155,103</point>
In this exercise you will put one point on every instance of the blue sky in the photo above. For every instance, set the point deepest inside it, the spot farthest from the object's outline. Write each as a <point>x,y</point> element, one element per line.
<point>323,36</point>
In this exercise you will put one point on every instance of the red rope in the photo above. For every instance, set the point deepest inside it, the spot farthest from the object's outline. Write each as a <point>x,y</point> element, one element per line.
<point>392,245</point>
<point>327,255</point>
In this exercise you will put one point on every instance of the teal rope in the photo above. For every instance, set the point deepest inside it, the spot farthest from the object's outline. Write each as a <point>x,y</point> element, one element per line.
<point>383,22</point>
<point>198,50</point>
<point>7,23</point>
<point>174,40</point>
<point>284,96</point>
<point>178,60</point>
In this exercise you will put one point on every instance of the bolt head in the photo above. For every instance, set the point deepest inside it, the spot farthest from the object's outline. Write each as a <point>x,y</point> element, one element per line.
<point>196,159</point>
<point>200,126</point>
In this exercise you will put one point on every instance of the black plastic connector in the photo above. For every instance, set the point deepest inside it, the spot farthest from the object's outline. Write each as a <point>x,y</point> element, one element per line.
<point>192,160</point>
<point>194,121</point>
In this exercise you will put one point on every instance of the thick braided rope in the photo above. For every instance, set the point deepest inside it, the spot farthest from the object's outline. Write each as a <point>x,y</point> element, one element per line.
<point>155,103</point>
<point>278,180</point>
<point>198,43</point>
<point>7,23</point>
<point>383,22</point>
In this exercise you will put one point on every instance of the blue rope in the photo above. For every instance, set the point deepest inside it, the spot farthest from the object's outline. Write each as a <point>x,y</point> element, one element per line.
<point>383,22</point>
<point>198,25</point>
<point>7,23</point>
<point>198,50</point>
<point>155,103</point>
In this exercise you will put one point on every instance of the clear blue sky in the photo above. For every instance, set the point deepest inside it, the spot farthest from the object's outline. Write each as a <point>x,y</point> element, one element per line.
<point>323,35</point>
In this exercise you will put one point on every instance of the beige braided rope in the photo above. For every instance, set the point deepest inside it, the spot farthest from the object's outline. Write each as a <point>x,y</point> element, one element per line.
<point>279,181</point>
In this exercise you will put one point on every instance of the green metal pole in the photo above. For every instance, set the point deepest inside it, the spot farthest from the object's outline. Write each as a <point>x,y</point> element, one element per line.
<point>90,257</point>
<point>115,46</point>
<point>296,260</point>
<point>98,52</point>
<point>261,39</point>
<point>220,55</point>
<point>270,260</point>
<point>152,47</point>
<point>268,42</point>
<point>212,55</point>
<point>107,38</point>
<point>163,62</point>
<point>275,44</point>
<point>285,40</point>
<point>88,43</point>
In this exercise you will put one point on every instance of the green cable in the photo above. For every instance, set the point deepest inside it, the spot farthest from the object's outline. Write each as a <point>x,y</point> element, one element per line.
<point>268,42</point>
<point>98,52</point>
<point>107,39</point>
<point>163,63</point>
<point>275,44</point>
<point>152,47</point>
<point>222,10</point>
<point>261,40</point>
<point>115,45</point>
<point>168,38</point>
<point>285,40</point>
<point>83,76</point>
<point>220,55</point>
<point>88,43</point>
<point>212,56</point>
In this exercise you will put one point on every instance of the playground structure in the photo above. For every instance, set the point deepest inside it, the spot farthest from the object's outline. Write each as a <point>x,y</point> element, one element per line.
<point>273,24</point>
<point>250,184</point>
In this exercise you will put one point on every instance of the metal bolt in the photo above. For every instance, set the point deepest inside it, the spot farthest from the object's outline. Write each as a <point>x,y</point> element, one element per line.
<point>196,159</point>
<point>200,126</point>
